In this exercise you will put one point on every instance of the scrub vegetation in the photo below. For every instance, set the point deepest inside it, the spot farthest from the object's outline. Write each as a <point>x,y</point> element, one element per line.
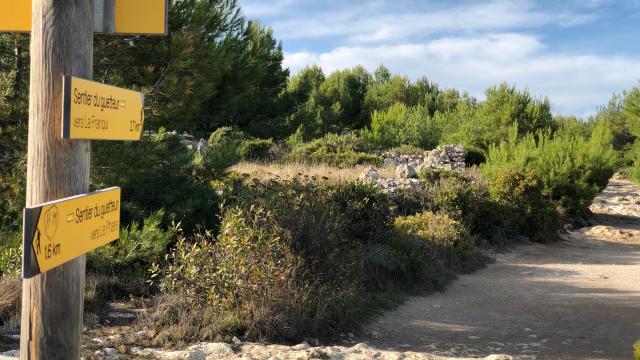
<point>267,233</point>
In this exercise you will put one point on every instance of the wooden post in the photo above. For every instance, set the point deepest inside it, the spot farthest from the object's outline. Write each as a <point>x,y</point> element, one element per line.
<point>61,43</point>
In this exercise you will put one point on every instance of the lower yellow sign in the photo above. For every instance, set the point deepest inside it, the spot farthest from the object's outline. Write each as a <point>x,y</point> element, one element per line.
<point>95,111</point>
<point>61,230</point>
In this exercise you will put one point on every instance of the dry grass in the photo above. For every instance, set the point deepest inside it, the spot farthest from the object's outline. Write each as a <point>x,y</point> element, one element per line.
<point>10,295</point>
<point>288,171</point>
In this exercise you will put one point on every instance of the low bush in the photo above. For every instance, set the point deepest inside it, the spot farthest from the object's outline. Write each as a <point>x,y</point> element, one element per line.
<point>10,252</point>
<point>636,350</point>
<point>265,275</point>
<point>474,156</point>
<point>525,209</point>
<point>296,259</point>
<point>222,150</point>
<point>445,239</point>
<point>337,150</point>
<point>12,188</point>
<point>256,149</point>
<point>139,246</point>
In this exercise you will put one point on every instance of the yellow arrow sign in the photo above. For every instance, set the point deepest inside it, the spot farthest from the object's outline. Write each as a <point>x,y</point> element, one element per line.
<point>96,111</point>
<point>148,17</point>
<point>61,230</point>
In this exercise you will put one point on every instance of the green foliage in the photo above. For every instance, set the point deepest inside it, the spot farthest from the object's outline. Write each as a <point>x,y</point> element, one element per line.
<point>489,122</point>
<point>446,239</point>
<point>256,149</point>
<point>474,156</point>
<point>636,349</point>
<point>365,211</point>
<point>401,125</point>
<point>139,246</point>
<point>222,150</point>
<point>285,272</point>
<point>213,69</point>
<point>158,172</point>
<point>12,188</point>
<point>337,150</point>
<point>10,252</point>
<point>525,209</point>
<point>406,150</point>
<point>332,105</point>
<point>572,169</point>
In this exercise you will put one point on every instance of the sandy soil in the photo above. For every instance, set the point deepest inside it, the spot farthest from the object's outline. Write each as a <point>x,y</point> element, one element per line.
<point>577,299</point>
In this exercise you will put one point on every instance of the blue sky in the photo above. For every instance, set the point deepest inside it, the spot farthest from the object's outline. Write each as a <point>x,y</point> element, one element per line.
<point>578,53</point>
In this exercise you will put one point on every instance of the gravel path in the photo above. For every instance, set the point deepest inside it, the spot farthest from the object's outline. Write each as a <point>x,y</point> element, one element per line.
<point>577,299</point>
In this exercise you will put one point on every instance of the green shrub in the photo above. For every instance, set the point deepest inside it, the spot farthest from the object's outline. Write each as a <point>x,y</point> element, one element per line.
<point>139,246</point>
<point>401,125</point>
<point>364,211</point>
<point>10,252</point>
<point>446,239</point>
<point>407,150</point>
<point>572,169</point>
<point>223,150</point>
<point>525,209</point>
<point>158,172</point>
<point>13,172</point>
<point>256,149</point>
<point>260,274</point>
<point>636,349</point>
<point>474,156</point>
<point>337,150</point>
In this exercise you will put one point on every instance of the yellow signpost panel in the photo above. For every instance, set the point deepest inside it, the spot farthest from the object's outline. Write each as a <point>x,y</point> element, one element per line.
<point>142,17</point>
<point>96,111</point>
<point>146,17</point>
<point>15,15</point>
<point>61,230</point>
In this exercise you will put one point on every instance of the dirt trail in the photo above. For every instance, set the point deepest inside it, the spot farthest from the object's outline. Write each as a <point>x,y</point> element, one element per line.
<point>577,299</point>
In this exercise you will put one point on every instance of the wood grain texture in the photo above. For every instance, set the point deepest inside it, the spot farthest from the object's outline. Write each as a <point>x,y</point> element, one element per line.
<point>61,43</point>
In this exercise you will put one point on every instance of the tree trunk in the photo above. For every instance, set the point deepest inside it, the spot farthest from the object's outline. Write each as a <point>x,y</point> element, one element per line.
<point>61,43</point>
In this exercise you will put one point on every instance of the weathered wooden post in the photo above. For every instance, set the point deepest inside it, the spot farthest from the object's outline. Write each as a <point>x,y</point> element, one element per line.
<point>61,43</point>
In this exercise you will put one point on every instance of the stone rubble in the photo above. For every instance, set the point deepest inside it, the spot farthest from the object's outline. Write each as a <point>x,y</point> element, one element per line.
<point>303,351</point>
<point>449,157</point>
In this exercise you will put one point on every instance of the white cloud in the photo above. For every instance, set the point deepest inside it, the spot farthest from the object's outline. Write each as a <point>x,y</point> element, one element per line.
<point>257,9</point>
<point>575,83</point>
<point>359,24</point>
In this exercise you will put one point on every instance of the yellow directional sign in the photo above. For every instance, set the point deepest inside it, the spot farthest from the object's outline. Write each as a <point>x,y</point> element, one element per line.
<point>96,111</point>
<point>61,230</point>
<point>15,15</point>
<point>146,17</point>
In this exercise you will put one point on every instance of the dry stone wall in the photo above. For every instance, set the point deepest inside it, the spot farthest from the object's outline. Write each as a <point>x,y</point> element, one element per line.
<point>449,157</point>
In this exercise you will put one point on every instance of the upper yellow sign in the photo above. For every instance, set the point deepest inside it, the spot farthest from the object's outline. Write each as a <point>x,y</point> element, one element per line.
<point>146,17</point>
<point>61,230</point>
<point>95,111</point>
<point>15,15</point>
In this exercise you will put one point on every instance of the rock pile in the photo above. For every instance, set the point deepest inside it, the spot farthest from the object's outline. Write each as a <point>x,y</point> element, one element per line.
<point>392,159</point>
<point>392,186</point>
<point>450,157</point>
